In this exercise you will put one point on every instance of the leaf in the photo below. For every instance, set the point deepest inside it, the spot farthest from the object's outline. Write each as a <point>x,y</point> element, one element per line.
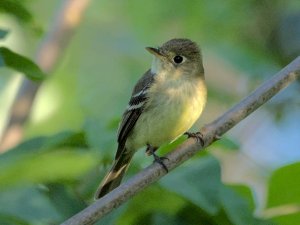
<point>9,219</point>
<point>245,192</point>
<point>284,192</point>
<point>20,63</point>
<point>3,33</point>
<point>98,135</point>
<point>169,203</point>
<point>198,182</point>
<point>54,166</point>
<point>43,144</point>
<point>164,149</point>
<point>290,219</point>
<point>65,201</point>
<point>33,160</point>
<point>26,205</point>
<point>226,144</point>
<point>17,9</point>
<point>284,187</point>
<point>236,208</point>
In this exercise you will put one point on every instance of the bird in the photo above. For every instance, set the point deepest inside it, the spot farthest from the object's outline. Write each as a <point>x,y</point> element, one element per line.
<point>165,102</point>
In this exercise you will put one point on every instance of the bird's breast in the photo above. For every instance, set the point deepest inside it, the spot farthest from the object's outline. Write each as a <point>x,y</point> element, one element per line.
<point>172,108</point>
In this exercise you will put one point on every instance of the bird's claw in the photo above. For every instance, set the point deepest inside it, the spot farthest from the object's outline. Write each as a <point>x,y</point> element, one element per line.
<point>197,135</point>
<point>151,151</point>
<point>160,160</point>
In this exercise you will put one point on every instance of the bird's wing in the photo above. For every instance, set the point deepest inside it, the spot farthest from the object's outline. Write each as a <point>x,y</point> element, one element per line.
<point>134,110</point>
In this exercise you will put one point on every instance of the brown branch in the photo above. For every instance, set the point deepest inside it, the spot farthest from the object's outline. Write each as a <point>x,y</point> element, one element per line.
<point>189,148</point>
<point>47,57</point>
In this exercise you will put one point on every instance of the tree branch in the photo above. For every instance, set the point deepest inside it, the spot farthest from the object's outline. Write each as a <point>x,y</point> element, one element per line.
<point>190,147</point>
<point>47,57</point>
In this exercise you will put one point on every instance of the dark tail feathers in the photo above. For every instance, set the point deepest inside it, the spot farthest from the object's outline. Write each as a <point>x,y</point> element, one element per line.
<point>114,177</point>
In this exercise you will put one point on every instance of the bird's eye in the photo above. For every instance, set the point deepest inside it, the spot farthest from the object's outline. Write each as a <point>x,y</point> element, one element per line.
<point>178,59</point>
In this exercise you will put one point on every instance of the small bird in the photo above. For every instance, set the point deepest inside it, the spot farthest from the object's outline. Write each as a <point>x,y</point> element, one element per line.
<point>164,104</point>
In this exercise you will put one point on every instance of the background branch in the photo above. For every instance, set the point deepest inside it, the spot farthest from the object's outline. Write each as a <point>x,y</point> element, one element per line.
<point>47,57</point>
<point>190,147</point>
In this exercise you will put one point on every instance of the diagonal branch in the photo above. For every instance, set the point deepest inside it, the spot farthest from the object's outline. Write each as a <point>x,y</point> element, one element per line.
<point>190,147</point>
<point>47,57</point>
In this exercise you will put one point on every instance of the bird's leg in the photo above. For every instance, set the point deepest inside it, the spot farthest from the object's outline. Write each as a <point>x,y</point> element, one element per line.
<point>198,135</point>
<point>151,151</point>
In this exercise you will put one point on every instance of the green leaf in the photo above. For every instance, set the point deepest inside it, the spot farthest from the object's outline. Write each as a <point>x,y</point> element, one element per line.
<point>245,192</point>
<point>55,166</point>
<point>26,205</point>
<point>236,208</point>
<point>290,219</point>
<point>64,200</point>
<point>9,219</point>
<point>284,193</point>
<point>99,135</point>
<point>226,144</point>
<point>43,144</point>
<point>284,186</point>
<point>17,9</point>
<point>3,33</point>
<point>164,149</point>
<point>20,63</point>
<point>198,182</point>
<point>46,159</point>
<point>169,203</point>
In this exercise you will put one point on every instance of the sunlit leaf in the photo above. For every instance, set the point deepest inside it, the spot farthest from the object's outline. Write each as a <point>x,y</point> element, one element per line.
<point>245,192</point>
<point>20,63</point>
<point>42,144</point>
<point>284,187</point>
<point>36,161</point>
<point>53,166</point>
<point>289,219</point>
<point>284,192</point>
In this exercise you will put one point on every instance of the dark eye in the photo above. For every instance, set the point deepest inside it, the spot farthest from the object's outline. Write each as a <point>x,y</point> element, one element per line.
<point>178,59</point>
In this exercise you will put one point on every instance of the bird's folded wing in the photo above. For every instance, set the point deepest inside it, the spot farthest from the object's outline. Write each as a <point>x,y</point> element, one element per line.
<point>134,110</point>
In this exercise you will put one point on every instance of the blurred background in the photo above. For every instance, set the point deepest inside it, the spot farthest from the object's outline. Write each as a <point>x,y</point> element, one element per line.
<point>57,154</point>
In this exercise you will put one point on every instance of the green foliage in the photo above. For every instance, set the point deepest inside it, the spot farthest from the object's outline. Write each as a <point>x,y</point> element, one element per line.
<point>54,173</point>
<point>27,205</point>
<point>283,187</point>
<point>236,208</point>
<point>17,9</point>
<point>284,193</point>
<point>20,11</point>
<point>56,161</point>
<point>20,63</point>
<point>201,182</point>
<point>226,143</point>
<point>45,159</point>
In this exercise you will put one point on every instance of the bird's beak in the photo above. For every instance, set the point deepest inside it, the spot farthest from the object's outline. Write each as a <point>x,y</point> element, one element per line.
<point>154,51</point>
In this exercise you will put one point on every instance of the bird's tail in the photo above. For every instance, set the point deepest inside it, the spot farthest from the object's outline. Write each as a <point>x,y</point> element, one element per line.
<point>114,177</point>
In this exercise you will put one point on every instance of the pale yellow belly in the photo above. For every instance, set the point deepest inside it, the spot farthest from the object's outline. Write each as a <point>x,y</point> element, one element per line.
<point>167,117</point>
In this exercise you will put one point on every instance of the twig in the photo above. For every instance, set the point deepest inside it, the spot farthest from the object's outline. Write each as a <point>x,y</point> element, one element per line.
<point>47,57</point>
<point>190,147</point>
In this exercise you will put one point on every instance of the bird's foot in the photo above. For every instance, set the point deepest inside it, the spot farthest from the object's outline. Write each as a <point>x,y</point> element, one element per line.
<point>151,151</point>
<point>197,135</point>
